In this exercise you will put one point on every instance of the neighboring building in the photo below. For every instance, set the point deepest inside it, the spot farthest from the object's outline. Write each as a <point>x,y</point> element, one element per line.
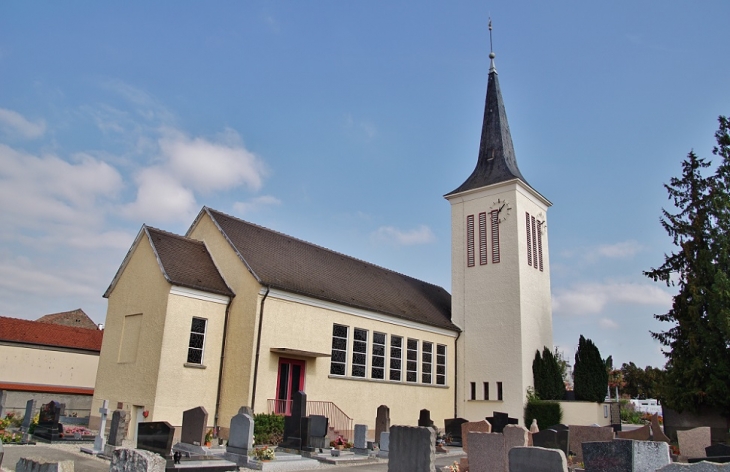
<point>77,318</point>
<point>45,362</point>
<point>235,314</point>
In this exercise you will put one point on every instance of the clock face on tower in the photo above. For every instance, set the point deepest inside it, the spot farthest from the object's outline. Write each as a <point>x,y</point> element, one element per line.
<point>503,209</point>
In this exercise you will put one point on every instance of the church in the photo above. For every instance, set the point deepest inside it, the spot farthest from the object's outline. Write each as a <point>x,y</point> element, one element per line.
<point>233,314</point>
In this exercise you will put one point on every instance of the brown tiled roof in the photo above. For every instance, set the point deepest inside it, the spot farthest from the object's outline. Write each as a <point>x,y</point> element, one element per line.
<point>47,334</point>
<point>286,263</point>
<point>77,318</point>
<point>186,262</point>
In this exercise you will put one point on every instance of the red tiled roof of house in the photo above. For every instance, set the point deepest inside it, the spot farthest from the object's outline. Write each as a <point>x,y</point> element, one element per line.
<point>47,334</point>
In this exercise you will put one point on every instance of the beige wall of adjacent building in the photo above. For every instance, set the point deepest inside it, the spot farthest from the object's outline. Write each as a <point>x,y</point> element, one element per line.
<point>586,413</point>
<point>44,366</point>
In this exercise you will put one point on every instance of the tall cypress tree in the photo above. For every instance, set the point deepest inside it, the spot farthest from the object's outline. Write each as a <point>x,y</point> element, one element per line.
<point>590,374</point>
<point>547,376</point>
<point>698,359</point>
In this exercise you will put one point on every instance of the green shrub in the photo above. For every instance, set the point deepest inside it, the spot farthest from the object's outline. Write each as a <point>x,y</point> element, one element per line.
<point>547,413</point>
<point>268,428</point>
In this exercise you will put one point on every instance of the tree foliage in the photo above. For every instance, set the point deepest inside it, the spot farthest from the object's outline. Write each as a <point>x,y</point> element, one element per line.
<point>590,373</point>
<point>547,376</point>
<point>698,342</point>
<point>640,383</point>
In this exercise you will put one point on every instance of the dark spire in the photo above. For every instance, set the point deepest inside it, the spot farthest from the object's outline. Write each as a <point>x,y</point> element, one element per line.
<point>496,162</point>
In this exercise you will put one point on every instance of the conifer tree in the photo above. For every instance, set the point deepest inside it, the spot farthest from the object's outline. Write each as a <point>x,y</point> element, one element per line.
<point>698,358</point>
<point>590,374</point>
<point>547,376</point>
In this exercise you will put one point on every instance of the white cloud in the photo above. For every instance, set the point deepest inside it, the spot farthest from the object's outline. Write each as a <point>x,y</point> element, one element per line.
<point>420,235</point>
<point>160,198</point>
<point>620,250</point>
<point>14,123</point>
<point>607,323</point>
<point>590,298</point>
<point>256,204</point>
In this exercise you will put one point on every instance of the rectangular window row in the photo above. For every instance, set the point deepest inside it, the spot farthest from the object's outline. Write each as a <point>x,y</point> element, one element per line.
<point>534,229</point>
<point>483,246</point>
<point>473,393</point>
<point>432,369</point>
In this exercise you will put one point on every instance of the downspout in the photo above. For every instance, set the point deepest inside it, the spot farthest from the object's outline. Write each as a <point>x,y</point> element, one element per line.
<point>220,368</point>
<point>456,372</point>
<point>258,350</point>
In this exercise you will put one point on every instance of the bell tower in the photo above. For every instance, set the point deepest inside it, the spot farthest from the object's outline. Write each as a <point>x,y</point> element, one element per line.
<point>500,275</point>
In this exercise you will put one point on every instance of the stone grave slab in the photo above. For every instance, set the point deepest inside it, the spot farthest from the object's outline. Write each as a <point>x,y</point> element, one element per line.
<point>697,467</point>
<point>650,455</point>
<point>194,426</point>
<point>537,459</point>
<point>608,456</point>
<point>126,460</point>
<point>412,449</point>
<point>692,442</point>
<point>318,426</point>
<point>452,427</point>
<point>473,427</point>
<point>382,421</point>
<point>577,435</point>
<point>48,426</point>
<point>717,450</point>
<point>155,436</point>
<point>640,434</point>
<point>657,432</point>
<point>118,429</point>
<point>487,452</point>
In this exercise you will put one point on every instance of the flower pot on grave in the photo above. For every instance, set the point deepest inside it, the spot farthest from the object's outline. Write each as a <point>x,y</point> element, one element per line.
<point>340,447</point>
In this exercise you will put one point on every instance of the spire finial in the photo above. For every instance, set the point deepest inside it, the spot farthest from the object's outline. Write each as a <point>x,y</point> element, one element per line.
<point>491,50</point>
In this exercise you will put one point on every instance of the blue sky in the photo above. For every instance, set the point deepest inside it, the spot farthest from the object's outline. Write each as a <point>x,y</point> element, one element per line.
<point>344,124</point>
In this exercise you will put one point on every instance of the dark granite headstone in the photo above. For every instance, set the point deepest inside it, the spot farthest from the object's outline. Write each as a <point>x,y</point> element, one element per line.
<point>559,427</point>
<point>318,426</point>
<point>382,421</point>
<point>48,426</point>
<point>424,418</point>
<point>156,436</point>
<point>293,423</point>
<point>194,426</point>
<point>499,420</point>
<point>117,429</point>
<point>28,418</point>
<point>547,439</point>
<point>717,450</point>
<point>452,427</point>
<point>304,438</point>
<point>608,456</point>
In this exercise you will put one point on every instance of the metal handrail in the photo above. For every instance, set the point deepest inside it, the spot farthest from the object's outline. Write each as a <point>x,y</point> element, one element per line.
<point>338,419</point>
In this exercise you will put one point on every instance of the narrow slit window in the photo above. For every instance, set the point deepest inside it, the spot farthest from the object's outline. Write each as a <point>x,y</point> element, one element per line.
<point>339,350</point>
<point>470,240</point>
<point>534,242</point>
<point>396,358</point>
<point>499,391</point>
<point>377,371</point>
<point>426,362</point>
<point>494,216</point>
<point>539,243</point>
<point>483,238</point>
<point>529,239</point>
<point>197,341</point>
<point>359,352</point>
<point>440,364</point>
<point>412,361</point>
<point>473,390</point>
<point>486,390</point>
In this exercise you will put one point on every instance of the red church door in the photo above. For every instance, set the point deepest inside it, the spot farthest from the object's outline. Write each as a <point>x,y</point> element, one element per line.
<point>289,381</point>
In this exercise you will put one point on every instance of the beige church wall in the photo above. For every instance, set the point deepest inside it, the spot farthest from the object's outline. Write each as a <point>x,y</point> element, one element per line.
<point>242,319</point>
<point>183,386</point>
<point>129,362</point>
<point>298,325</point>
<point>42,366</point>
<point>586,413</point>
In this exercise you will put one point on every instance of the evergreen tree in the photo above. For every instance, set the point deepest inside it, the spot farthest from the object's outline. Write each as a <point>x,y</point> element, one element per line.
<point>590,374</point>
<point>547,376</point>
<point>698,359</point>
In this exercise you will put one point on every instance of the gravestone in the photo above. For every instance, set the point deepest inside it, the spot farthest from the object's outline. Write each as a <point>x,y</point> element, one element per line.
<point>537,459</point>
<point>28,418</point>
<point>318,426</point>
<point>48,426</point>
<point>194,426</point>
<point>382,421</point>
<point>547,439</point>
<point>473,427</point>
<point>499,420</point>
<point>577,435</point>
<point>608,456</point>
<point>304,428</point>
<point>424,418</point>
<point>650,455</point>
<point>692,442</point>
<point>155,436</point>
<point>384,444</point>
<point>240,436</point>
<point>452,427</point>
<point>698,467</point>
<point>100,440</point>
<point>717,450</point>
<point>487,452</point>
<point>132,460</point>
<point>360,444</point>
<point>118,429</point>
<point>640,434</point>
<point>657,432</point>
<point>515,436</point>
<point>245,410</point>
<point>616,416</point>
<point>412,449</point>
<point>293,422</point>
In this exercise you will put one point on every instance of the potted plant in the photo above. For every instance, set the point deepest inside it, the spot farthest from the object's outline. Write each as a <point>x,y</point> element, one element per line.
<point>264,454</point>
<point>339,443</point>
<point>208,437</point>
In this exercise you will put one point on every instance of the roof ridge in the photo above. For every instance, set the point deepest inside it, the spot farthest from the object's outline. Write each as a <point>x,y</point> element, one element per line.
<point>332,251</point>
<point>174,235</point>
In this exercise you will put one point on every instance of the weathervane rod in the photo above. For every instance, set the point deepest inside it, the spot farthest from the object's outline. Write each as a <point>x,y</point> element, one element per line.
<point>491,49</point>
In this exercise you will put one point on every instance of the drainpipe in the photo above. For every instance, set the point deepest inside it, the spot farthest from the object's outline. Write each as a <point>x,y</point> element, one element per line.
<point>258,350</point>
<point>220,368</point>
<point>456,372</point>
